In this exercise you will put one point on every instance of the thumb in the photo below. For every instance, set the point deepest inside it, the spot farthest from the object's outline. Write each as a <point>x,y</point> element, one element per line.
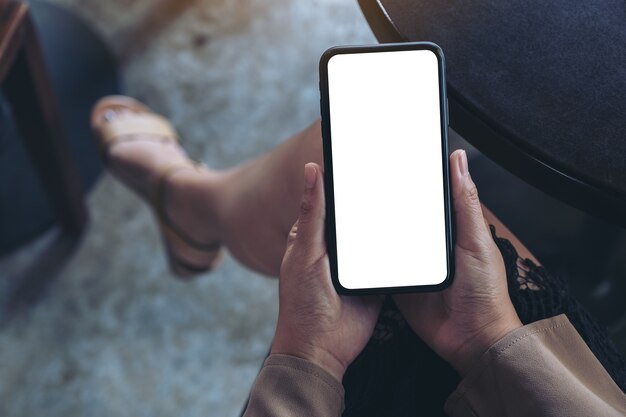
<point>310,231</point>
<point>471,230</point>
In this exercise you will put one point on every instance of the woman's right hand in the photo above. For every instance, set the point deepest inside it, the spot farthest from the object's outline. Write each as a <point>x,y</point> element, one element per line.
<point>463,321</point>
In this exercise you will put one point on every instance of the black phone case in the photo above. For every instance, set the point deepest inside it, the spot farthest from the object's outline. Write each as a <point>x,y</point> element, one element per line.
<point>331,241</point>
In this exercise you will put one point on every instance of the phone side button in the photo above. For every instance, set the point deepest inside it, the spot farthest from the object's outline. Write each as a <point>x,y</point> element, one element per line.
<point>447,112</point>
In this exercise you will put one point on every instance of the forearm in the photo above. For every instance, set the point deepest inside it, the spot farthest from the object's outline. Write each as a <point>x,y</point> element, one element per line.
<point>288,387</point>
<point>542,369</point>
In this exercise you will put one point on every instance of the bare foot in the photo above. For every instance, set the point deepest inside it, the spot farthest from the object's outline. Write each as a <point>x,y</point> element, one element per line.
<point>154,165</point>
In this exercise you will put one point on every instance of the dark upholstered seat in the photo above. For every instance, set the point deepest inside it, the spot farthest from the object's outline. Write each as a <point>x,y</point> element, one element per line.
<point>538,86</point>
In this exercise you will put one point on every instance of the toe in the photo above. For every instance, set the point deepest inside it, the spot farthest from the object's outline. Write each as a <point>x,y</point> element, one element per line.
<point>110,107</point>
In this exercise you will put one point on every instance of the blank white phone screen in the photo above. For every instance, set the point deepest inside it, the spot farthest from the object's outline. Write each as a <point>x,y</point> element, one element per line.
<point>386,143</point>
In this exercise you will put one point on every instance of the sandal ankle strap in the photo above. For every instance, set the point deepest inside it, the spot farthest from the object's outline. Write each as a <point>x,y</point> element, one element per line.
<point>159,206</point>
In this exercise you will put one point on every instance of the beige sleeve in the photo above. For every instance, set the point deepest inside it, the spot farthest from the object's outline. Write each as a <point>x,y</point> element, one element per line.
<point>542,369</point>
<point>288,387</point>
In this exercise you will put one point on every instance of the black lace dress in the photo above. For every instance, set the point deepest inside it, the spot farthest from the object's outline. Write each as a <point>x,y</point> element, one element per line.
<point>397,375</point>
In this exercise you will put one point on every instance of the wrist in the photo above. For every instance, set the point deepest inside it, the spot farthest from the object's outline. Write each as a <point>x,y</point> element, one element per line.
<point>307,351</point>
<point>476,346</point>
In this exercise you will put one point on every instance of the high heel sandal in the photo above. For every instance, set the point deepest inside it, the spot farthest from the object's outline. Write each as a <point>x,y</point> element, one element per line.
<point>153,127</point>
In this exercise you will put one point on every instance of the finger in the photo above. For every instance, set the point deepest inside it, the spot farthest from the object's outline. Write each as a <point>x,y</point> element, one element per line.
<point>471,230</point>
<point>310,231</point>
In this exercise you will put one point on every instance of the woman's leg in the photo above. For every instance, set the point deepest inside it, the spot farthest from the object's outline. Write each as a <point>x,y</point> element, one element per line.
<point>260,200</point>
<point>249,208</point>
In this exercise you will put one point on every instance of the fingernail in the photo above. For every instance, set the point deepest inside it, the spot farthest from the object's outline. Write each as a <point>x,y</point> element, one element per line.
<point>463,168</point>
<point>310,176</point>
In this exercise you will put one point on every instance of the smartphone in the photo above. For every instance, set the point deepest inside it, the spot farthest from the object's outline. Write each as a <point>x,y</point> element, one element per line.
<point>386,175</point>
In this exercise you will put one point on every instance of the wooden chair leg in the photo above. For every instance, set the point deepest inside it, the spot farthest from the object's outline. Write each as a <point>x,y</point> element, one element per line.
<point>29,92</point>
